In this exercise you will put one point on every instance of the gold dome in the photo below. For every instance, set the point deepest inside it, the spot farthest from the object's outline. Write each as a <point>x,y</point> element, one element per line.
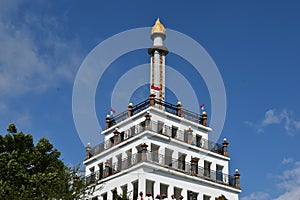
<point>158,28</point>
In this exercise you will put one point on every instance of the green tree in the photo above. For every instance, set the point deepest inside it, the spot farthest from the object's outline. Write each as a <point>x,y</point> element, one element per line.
<point>12,128</point>
<point>29,171</point>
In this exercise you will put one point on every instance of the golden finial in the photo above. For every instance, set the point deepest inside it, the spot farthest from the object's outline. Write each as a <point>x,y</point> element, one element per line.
<point>158,27</point>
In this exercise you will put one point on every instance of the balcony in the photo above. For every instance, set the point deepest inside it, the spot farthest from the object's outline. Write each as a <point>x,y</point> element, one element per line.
<point>165,130</point>
<point>166,162</point>
<point>168,107</point>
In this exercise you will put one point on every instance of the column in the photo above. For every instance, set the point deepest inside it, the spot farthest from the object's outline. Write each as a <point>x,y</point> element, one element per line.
<point>170,191</point>
<point>161,154</point>
<point>119,190</point>
<point>130,190</point>
<point>124,164</point>
<point>190,136</point>
<point>175,157</point>
<point>109,195</point>
<point>201,167</point>
<point>156,188</point>
<point>213,173</point>
<point>142,184</point>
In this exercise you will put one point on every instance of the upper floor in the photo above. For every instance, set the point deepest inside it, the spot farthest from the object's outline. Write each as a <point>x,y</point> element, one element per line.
<point>173,122</point>
<point>171,141</point>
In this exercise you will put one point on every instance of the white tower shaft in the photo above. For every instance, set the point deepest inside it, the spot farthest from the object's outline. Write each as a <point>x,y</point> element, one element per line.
<point>158,75</point>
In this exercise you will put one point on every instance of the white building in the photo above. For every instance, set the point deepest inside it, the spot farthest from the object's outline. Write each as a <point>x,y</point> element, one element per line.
<point>156,150</point>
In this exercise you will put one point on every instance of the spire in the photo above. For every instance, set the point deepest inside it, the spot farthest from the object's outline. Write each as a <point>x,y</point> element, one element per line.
<point>158,29</point>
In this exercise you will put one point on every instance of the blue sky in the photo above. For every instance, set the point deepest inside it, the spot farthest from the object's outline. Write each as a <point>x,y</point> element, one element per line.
<point>255,45</point>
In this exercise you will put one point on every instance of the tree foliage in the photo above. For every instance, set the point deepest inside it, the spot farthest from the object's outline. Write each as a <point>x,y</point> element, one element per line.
<point>29,171</point>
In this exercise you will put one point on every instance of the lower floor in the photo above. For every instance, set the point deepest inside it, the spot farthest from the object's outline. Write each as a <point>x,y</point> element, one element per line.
<point>146,183</point>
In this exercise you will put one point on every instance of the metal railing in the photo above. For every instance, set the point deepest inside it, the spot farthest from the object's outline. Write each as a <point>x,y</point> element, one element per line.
<point>170,108</point>
<point>124,115</point>
<point>141,106</point>
<point>164,161</point>
<point>162,130</point>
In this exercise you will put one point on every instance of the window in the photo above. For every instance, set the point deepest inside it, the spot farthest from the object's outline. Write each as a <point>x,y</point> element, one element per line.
<point>194,168</point>
<point>129,158</point>
<point>177,192</point>
<point>192,195</point>
<point>135,189</point>
<point>119,165</point>
<point>160,127</point>
<point>122,136</point>
<point>124,191</point>
<point>174,131</point>
<point>112,139</point>
<point>185,136</point>
<point>207,168</point>
<point>108,168</point>
<point>114,194</point>
<point>92,169</point>
<point>104,196</point>
<point>168,157</point>
<point>163,189</point>
<point>198,140</point>
<point>154,152</point>
<point>143,124</point>
<point>219,173</point>
<point>100,170</point>
<point>132,131</point>
<point>206,197</point>
<point>149,187</point>
<point>181,161</point>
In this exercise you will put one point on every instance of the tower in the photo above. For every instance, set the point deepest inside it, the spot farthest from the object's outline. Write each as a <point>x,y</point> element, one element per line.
<point>154,153</point>
<point>157,60</point>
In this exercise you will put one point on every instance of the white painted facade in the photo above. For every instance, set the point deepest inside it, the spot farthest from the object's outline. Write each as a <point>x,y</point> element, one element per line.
<point>159,151</point>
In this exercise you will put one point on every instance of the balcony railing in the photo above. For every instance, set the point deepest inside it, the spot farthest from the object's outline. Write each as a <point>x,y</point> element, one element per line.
<point>162,130</point>
<point>170,108</point>
<point>164,161</point>
<point>124,115</point>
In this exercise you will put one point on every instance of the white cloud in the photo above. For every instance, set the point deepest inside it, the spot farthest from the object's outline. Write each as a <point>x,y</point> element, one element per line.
<point>280,117</point>
<point>270,118</point>
<point>297,125</point>
<point>33,55</point>
<point>286,161</point>
<point>289,182</point>
<point>257,196</point>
